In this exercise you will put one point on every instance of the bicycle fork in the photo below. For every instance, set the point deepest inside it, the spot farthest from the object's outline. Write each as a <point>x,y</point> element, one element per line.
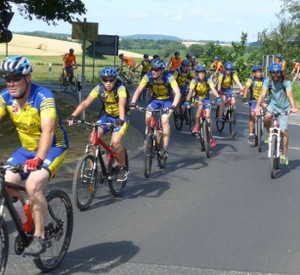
<point>275,132</point>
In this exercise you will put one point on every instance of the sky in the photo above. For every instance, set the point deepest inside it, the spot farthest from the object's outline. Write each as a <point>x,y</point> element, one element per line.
<point>222,20</point>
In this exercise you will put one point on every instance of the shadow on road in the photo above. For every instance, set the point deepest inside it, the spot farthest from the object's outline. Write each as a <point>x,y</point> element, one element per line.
<point>98,258</point>
<point>293,165</point>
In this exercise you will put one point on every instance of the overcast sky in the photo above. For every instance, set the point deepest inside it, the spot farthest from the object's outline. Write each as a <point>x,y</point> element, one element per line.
<point>222,20</point>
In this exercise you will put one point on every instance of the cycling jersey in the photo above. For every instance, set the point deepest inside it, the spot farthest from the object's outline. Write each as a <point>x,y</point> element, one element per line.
<point>175,63</point>
<point>69,60</point>
<point>145,66</point>
<point>218,66</point>
<point>255,86</point>
<point>202,88</point>
<point>282,62</point>
<point>128,61</point>
<point>296,66</point>
<point>182,77</point>
<point>161,89</point>
<point>227,80</point>
<point>27,119</point>
<point>111,104</point>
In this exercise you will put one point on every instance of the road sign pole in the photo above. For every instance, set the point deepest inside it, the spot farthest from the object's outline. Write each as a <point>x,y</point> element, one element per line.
<point>83,65</point>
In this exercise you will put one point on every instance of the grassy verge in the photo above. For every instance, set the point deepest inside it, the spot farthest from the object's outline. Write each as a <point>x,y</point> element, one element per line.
<point>296,92</point>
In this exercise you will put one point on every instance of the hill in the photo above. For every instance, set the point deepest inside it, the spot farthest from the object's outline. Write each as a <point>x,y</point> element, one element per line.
<point>153,37</point>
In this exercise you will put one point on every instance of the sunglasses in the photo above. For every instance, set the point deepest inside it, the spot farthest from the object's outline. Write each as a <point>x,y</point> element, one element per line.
<point>14,78</point>
<point>155,70</point>
<point>105,80</point>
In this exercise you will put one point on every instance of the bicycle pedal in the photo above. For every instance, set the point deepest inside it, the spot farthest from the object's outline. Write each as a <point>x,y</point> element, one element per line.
<point>30,257</point>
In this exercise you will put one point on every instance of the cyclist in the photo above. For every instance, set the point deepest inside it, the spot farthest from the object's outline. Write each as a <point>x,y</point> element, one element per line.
<point>192,60</point>
<point>43,139</point>
<point>217,66</point>
<point>296,68</point>
<point>69,59</point>
<point>202,85</point>
<point>161,83</point>
<point>225,83</point>
<point>130,63</point>
<point>254,86</point>
<point>183,75</point>
<point>281,100</point>
<point>281,61</point>
<point>174,62</point>
<point>145,65</point>
<point>113,94</point>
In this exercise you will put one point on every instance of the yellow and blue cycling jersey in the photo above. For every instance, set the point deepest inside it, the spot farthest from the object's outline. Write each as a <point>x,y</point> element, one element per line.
<point>227,80</point>
<point>110,98</point>
<point>27,119</point>
<point>161,89</point>
<point>181,77</point>
<point>202,88</point>
<point>145,66</point>
<point>255,86</point>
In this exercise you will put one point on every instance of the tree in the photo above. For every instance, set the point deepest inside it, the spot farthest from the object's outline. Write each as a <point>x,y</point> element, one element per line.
<point>293,8</point>
<point>49,11</point>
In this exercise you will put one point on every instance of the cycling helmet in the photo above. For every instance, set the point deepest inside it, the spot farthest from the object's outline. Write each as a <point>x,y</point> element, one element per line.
<point>185,62</point>
<point>200,68</point>
<point>157,64</point>
<point>146,55</point>
<point>71,51</point>
<point>189,55</point>
<point>108,72</point>
<point>177,53</point>
<point>156,56</point>
<point>275,67</point>
<point>228,66</point>
<point>121,55</point>
<point>16,65</point>
<point>256,68</point>
<point>295,60</point>
<point>217,58</point>
<point>279,55</point>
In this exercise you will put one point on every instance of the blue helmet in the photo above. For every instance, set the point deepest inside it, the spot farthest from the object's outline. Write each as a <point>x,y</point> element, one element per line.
<point>228,66</point>
<point>295,60</point>
<point>16,65</point>
<point>108,72</point>
<point>256,68</point>
<point>157,64</point>
<point>177,53</point>
<point>200,68</point>
<point>217,58</point>
<point>189,55</point>
<point>279,55</point>
<point>71,51</point>
<point>185,62</point>
<point>275,67</point>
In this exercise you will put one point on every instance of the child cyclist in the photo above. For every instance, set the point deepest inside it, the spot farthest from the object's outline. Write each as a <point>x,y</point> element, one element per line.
<point>113,94</point>
<point>225,83</point>
<point>202,85</point>
<point>254,86</point>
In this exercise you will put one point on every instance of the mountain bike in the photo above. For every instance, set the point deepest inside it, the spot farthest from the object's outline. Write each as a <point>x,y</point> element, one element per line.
<point>68,80</point>
<point>58,225</point>
<point>121,75</point>
<point>153,144</point>
<point>258,129</point>
<point>94,168</point>
<point>275,143</point>
<point>181,114</point>
<point>229,116</point>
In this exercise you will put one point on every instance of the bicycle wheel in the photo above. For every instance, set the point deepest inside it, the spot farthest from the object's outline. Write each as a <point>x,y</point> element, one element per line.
<point>73,83</point>
<point>206,137</point>
<point>273,157</point>
<point>219,123</point>
<point>58,230</point>
<point>116,187</point>
<point>85,181</point>
<point>191,116</point>
<point>4,249</point>
<point>259,133</point>
<point>148,154</point>
<point>178,120</point>
<point>232,123</point>
<point>161,158</point>
<point>201,138</point>
<point>62,83</point>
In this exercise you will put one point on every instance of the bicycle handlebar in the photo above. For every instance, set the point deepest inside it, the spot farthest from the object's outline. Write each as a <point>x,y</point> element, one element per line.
<point>93,124</point>
<point>143,109</point>
<point>15,168</point>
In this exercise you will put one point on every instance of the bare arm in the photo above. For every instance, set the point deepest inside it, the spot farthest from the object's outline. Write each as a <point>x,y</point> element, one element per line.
<point>260,100</point>
<point>177,97</point>
<point>137,93</point>
<point>122,103</point>
<point>82,106</point>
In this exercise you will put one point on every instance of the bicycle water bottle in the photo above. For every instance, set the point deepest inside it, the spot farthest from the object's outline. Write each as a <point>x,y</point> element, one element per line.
<point>28,225</point>
<point>20,210</point>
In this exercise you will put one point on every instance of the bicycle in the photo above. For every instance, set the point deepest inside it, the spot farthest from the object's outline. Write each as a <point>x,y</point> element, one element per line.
<point>229,116</point>
<point>92,169</point>
<point>123,77</point>
<point>258,129</point>
<point>153,144</point>
<point>183,114</point>
<point>68,80</point>
<point>58,225</point>
<point>275,143</point>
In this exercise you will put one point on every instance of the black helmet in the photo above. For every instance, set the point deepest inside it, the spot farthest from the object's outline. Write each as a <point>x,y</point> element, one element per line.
<point>71,50</point>
<point>177,53</point>
<point>146,55</point>
<point>121,55</point>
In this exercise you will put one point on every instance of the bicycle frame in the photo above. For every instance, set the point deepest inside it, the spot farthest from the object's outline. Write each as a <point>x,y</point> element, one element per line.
<point>275,131</point>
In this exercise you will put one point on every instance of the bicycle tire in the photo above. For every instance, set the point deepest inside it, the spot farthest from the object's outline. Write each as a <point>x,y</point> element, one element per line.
<point>273,157</point>
<point>206,138</point>
<point>85,181</point>
<point>4,249</point>
<point>259,133</point>
<point>201,139</point>
<point>58,230</point>
<point>62,82</point>
<point>148,154</point>
<point>178,121</point>
<point>219,123</point>
<point>232,123</point>
<point>161,159</point>
<point>73,83</point>
<point>191,123</point>
<point>116,187</point>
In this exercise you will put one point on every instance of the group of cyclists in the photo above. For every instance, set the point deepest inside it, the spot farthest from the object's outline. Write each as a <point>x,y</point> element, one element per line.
<point>44,140</point>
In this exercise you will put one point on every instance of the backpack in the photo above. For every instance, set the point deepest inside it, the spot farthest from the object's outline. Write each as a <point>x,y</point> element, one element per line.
<point>116,96</point>
<point>281,87</point>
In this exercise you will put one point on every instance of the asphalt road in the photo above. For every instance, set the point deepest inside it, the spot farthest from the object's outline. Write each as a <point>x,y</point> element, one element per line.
<point>222,215</point>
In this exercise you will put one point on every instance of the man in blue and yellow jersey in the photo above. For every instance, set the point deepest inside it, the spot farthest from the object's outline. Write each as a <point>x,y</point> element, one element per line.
<point>113,95</point>
<point>145,63</point>
<point>161,83</point>
<point>225,85</point>
<point>254,85</point>
<point>43,139</point>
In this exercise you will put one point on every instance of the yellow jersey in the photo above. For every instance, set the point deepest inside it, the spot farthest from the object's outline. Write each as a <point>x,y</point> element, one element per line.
<point>227,80</point>
<point>202,88</point>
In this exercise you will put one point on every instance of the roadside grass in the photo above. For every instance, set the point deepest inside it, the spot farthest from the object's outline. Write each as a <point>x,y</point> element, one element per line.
<point>78,137</point>
<point>296,92</point>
